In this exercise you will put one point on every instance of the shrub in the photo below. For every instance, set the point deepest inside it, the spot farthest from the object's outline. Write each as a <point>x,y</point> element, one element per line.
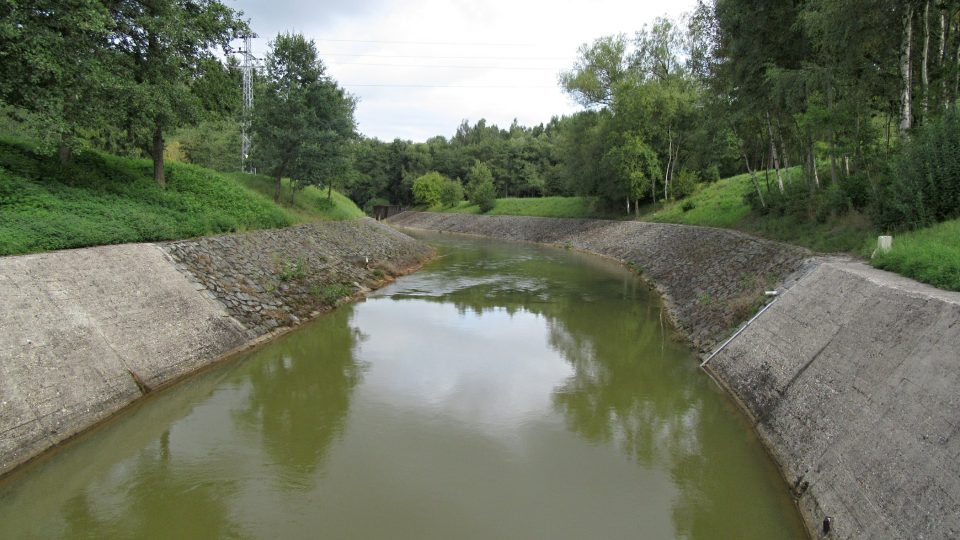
<point>485,196</point>
<point>426,189</point>
<point>711,174</point>
<point>684,184</point>
<point>451,192</point>
<point>476,176</point>
<point>331,294</point>
<point>925,185</point>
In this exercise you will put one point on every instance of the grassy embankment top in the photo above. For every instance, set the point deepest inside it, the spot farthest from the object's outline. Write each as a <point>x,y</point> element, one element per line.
<point>930,255</point>
<point>102,199</point>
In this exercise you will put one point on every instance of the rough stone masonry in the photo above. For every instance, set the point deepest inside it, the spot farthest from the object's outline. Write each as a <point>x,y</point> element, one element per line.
<point>88,331</point>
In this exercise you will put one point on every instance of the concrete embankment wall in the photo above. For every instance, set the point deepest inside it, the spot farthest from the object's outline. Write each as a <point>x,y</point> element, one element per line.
<point>852,377</point>
<point>86,332</point>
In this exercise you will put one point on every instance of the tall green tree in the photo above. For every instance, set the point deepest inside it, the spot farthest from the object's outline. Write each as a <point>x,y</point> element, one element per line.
<point>303,122</point>
<point>54,65</point>
<point>601,66</point>
<point>163,47</point>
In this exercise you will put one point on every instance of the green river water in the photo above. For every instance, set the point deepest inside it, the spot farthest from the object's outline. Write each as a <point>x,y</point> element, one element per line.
<point>505,391</point>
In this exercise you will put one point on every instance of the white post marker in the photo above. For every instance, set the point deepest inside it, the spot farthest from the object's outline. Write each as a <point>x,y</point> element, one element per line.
<point>884,245</point>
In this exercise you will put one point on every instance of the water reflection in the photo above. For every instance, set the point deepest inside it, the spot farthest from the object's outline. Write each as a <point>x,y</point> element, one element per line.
<point>630,385</point>
<point>317,373</point>
<point>504,392</point>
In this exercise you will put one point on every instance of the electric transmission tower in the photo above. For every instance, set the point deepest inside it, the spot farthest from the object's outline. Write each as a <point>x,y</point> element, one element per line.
<point>247,68</point>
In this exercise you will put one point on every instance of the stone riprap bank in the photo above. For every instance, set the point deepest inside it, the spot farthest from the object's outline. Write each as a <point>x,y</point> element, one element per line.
<point>711,279</point>
<point>86,332</point>
<point>852,377</point>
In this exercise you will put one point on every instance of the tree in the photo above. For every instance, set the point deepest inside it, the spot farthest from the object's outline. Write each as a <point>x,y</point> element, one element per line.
<point>485,196</point>
<point>163,46</point>
<point>477,175</point>
<point>303,121</point>
<point>451,193</point>
<point>427,188</point>
<point>601,66</point>
<point>54,65</point>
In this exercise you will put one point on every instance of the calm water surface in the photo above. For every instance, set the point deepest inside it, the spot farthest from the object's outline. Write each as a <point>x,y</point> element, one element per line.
<point>503,392</point>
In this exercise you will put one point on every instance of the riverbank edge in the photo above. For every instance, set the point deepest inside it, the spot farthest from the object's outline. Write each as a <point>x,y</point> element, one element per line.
<point>92,332</point>
<point>798,370</point>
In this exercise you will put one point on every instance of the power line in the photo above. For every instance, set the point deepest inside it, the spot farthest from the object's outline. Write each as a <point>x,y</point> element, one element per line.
<point>454,57</point>
<point>447,86</point>
<point>517,68</point>
<point>464,43</point>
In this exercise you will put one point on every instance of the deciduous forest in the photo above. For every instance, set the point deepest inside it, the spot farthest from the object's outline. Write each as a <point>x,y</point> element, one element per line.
<point>829,107</point>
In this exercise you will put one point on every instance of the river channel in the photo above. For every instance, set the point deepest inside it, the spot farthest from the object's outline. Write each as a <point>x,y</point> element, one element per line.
<point>505,391</point>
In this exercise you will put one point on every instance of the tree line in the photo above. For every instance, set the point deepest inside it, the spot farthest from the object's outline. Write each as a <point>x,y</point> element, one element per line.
<point>831,106</point>
<point>120,75</point>
<point>125,75</point>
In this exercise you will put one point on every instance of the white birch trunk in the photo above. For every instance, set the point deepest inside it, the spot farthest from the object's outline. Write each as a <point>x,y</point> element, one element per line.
<point>812,159</point>
<point>774,156</point>
<point>941,57</point>
<point>906,50</point>
<point>783,149</point>
<point>666,176</point>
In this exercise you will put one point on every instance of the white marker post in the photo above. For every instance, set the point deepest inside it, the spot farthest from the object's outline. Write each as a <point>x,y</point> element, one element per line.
<point>884,245</point>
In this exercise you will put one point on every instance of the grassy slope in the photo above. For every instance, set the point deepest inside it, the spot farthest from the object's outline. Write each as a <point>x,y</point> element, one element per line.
<point>309,204</point>
<point>721,204</point>
<point>929,255</point>
<point>567,207</point>
<point>102,199</point>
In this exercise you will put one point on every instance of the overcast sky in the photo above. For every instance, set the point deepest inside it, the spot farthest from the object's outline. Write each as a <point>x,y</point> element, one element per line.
<point>420,67</point>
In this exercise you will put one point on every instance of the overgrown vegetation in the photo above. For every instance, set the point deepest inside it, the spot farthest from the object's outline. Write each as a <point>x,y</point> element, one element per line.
<point>840,118</point>
<point>575,207</point>
<point>331,294</point>
<point>307,203</point>
<point>925,185</point>
<point>101,199</point>
<point>929,255</point>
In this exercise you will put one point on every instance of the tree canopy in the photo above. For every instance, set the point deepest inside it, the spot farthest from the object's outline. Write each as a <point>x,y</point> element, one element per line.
<point>303,123</point>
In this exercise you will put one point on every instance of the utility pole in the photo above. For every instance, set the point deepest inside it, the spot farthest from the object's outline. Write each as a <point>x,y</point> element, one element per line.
<point>247,68</point>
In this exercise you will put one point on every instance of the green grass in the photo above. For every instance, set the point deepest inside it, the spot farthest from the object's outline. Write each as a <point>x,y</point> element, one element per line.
<point>102,199</point>
<point>930,255</point>
<point>309,204</point>
<point>842,234</point>
<point>721,204</point>
<point>564,207</point>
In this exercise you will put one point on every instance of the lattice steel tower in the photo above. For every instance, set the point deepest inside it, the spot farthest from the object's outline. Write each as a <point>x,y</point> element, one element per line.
<point>247,68</point>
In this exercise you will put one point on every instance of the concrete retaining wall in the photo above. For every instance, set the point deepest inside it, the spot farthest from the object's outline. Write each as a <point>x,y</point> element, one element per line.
<point>85,332</point>
<point>852,377</point>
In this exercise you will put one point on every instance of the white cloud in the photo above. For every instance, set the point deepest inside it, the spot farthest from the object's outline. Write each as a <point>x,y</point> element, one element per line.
<point>466,59</point>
